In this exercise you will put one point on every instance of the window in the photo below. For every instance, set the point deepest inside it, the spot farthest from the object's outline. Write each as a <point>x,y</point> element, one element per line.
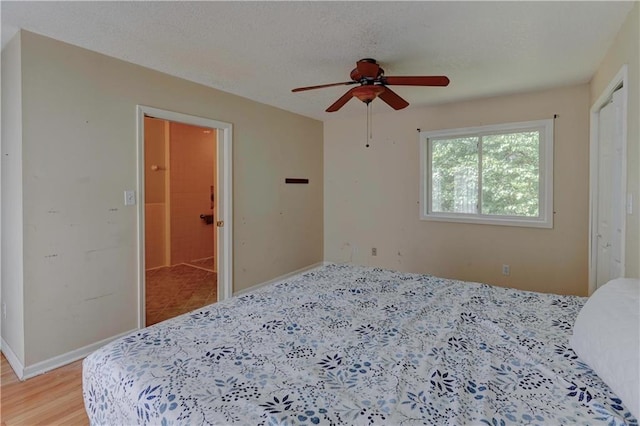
<point>498,174</point>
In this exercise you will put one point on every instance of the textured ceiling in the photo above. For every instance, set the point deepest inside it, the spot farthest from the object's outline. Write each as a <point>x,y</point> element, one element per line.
<point>261,50</point>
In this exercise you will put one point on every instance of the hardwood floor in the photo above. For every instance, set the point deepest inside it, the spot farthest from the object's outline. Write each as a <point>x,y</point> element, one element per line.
<point>53,398</point>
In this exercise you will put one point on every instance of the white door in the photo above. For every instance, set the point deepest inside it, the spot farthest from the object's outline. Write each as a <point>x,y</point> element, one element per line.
<point>609,238</point>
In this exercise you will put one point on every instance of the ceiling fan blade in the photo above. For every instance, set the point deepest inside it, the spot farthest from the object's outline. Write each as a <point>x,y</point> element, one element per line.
<point>393,99</point>
<point>340,102</point>
<point>345,83</point>
<point>434,80</point>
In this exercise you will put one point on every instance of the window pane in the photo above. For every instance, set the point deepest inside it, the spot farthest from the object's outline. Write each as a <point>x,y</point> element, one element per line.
<point>454,175</point>
<point>511,174</point>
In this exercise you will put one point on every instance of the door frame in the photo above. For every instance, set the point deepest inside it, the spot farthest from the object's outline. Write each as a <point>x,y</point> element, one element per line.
<point>621,78</point>
<point>224,204</point>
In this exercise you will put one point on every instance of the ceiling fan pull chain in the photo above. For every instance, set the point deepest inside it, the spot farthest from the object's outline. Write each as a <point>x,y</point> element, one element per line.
<point>366,136</point>
<point>368,130</point>
<point>370,121</point>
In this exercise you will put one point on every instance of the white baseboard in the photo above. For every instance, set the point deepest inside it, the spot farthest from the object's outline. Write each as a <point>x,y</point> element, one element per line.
<point>14,362</point>
<point>281,278</point>
<point>42,367</point>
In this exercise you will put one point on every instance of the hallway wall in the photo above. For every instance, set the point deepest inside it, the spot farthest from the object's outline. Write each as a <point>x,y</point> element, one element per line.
<point>156,252</point>
<point>192,168</point>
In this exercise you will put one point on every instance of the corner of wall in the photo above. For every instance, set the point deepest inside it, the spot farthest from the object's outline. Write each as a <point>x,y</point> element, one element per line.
<point>11,205</point>
<point>14,361</point>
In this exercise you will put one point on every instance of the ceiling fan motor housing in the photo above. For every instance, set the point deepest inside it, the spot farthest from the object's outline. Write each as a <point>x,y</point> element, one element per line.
<point>366,71</point>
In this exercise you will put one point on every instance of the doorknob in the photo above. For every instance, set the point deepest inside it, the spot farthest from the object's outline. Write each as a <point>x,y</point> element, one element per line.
<point>220,223</point>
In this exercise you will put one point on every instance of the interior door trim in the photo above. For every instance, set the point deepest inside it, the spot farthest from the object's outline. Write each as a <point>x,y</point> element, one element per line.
<point>621,79</point>
<point>224,191</point>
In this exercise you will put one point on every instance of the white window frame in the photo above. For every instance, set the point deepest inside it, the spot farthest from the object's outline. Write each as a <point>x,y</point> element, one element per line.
<point>545,194</point>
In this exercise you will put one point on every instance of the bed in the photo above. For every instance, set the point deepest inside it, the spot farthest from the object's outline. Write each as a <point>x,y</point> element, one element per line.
<point>344,344</point>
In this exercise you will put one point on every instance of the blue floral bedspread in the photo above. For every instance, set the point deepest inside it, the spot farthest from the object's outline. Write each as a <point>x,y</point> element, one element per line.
<point>354,345</point>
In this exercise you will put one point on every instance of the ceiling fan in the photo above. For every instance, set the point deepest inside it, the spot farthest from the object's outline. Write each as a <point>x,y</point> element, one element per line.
<point>374,84</point>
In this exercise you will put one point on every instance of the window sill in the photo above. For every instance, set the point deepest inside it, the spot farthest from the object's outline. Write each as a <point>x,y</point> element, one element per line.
<point>486,220</point>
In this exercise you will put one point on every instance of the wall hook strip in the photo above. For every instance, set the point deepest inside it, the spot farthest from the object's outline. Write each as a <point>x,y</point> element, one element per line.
<point>296,180</point>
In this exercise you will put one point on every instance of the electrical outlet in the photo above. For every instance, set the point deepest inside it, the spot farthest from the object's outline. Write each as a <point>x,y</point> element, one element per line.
<point>374,251</point>
<point>506,270</point>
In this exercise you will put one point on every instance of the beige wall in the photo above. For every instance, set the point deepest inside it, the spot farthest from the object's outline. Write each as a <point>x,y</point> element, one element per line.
<point>626,50</point>
<point>79,155</point>
<point>372,196</point>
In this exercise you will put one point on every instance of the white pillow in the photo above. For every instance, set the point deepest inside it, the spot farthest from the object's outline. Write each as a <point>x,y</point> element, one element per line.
<point>606,336</point>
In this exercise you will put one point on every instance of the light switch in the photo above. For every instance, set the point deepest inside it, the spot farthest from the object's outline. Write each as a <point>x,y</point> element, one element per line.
<point>129,198</point>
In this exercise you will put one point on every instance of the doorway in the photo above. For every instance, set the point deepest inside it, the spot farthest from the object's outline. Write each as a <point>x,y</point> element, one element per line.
<point>184,214</point>
<point>179,173</point>
<point>608,184</point>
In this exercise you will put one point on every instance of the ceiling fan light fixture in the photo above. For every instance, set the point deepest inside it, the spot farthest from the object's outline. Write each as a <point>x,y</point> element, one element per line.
<point>367,93</point>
